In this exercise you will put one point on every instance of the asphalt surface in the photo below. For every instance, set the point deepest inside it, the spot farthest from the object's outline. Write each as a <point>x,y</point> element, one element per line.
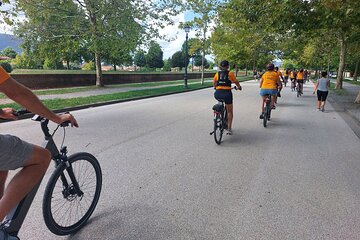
<point>342,103</point>
<point>165,178</point>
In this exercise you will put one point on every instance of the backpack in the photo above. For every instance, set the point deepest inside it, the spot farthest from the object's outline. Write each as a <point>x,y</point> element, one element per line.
<point>223,79</point>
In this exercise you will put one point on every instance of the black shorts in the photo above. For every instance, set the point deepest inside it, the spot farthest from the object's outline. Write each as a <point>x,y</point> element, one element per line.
<point>300,81</point>
<point>225,95</point>
<point>322,95</point>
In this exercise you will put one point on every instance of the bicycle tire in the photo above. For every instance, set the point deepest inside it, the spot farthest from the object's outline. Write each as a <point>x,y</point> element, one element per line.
<point>64,218</point>
<point>218,128</point>
<point>265,116</point>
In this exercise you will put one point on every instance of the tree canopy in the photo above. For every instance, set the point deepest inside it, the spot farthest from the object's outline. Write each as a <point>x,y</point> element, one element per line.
<point>110,30</point>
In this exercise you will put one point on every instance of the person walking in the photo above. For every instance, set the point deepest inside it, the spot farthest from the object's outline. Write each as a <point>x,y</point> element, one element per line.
<point>322,89</point>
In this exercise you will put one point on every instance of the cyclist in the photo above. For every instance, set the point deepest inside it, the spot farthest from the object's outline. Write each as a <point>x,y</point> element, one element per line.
<point>293,79</point>
<point>286,76</point>
<point>222,84</point>
<point>279,89</point>
<point>300,79</point>
<point>306,79</point>
<point>269,84</point>
<point>15,153</point>
<point>255,74</point>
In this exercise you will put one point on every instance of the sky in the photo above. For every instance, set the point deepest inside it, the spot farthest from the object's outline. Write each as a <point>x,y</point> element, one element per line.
<point>174,32</point>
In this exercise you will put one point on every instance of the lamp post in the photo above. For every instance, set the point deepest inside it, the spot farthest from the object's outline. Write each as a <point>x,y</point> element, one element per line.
<point>187,30</point>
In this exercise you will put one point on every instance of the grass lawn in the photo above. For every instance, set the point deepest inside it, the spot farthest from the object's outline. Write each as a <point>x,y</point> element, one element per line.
<point>352,82</point>
<point>176,86</point>
<point>337,91</point>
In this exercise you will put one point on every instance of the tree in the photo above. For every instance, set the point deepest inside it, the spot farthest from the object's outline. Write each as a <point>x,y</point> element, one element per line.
<point>205,11</point>
<point>242,35</point>
<point>167,65</point>
<point>178,60</point>
<point>199,61</point>
<point>194,49</point>
<point>154,56</point>
<point>7,12</point>
<point>9,52</point>
<point>139,59</point>
<point>102,25</point>
<point>341,18</point>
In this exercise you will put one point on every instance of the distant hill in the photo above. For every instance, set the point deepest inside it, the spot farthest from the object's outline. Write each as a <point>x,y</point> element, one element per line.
<point>7,40</point>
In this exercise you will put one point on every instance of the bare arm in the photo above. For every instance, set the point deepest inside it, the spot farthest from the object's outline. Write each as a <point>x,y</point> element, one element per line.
<point>316,86</point>
<point>25,97</point>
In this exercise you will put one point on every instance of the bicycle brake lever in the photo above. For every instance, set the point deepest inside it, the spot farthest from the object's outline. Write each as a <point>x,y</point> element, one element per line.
<point>65,124</point>
<point>20,112</point>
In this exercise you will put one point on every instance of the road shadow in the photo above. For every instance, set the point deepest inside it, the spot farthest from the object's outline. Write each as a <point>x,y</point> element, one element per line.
<point>288,104</point>
<point>136,222</point>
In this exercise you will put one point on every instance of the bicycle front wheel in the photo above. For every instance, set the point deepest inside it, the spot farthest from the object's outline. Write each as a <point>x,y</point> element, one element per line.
<point>64,210</point>
<point>218,128</point>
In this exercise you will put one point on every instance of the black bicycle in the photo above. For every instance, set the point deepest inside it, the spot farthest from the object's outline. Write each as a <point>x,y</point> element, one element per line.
<point>220,119</point>
<point>267,110</point>
<point>298,89</point>
<point>72,191</point>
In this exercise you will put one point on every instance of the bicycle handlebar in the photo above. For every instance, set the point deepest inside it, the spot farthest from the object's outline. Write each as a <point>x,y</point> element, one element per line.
<point>234,87</point>
<point>44,122</point>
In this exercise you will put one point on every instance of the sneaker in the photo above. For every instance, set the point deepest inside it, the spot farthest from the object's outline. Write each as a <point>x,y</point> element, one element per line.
<point>228,132</point>
<point>273,107</point>
<point>322,109</point>
<point>262,116</point>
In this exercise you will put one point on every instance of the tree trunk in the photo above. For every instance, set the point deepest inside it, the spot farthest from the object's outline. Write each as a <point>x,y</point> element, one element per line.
<point>68,64</point>
<point>192,65</point>
<point>202,67</point>
<point>356,70</point>
<point>340,73</point>
<point>99,80</point>
<point>357,100</point>
<point>115,67</point>
<point>203,55</point>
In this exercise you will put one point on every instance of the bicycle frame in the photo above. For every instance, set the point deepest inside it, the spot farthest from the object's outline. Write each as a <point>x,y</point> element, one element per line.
<point>15,218</point>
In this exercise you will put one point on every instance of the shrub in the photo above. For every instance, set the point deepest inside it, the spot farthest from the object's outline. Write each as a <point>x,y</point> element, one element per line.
<point>89,66</point>
<point>7,66</point>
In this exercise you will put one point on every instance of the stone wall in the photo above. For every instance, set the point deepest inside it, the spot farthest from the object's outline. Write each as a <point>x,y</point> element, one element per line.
<point>40,81</point>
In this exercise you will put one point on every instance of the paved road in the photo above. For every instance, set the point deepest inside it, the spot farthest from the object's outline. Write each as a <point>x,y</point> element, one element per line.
<point>165,178</point>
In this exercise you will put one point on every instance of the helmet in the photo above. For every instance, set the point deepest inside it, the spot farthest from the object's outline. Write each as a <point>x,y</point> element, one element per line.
<point>270,66</point>
<point>224,64</point>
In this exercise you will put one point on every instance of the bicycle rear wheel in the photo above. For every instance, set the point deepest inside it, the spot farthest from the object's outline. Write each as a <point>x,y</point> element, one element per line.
<point>266,112</point>
<point>218,128</point>
<point>64,211</point>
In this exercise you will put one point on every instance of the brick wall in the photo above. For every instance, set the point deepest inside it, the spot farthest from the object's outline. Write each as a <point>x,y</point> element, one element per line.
<point>39,81</point>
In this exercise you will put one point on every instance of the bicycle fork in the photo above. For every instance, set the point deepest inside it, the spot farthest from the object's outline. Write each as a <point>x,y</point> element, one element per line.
<point>72,188</point>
